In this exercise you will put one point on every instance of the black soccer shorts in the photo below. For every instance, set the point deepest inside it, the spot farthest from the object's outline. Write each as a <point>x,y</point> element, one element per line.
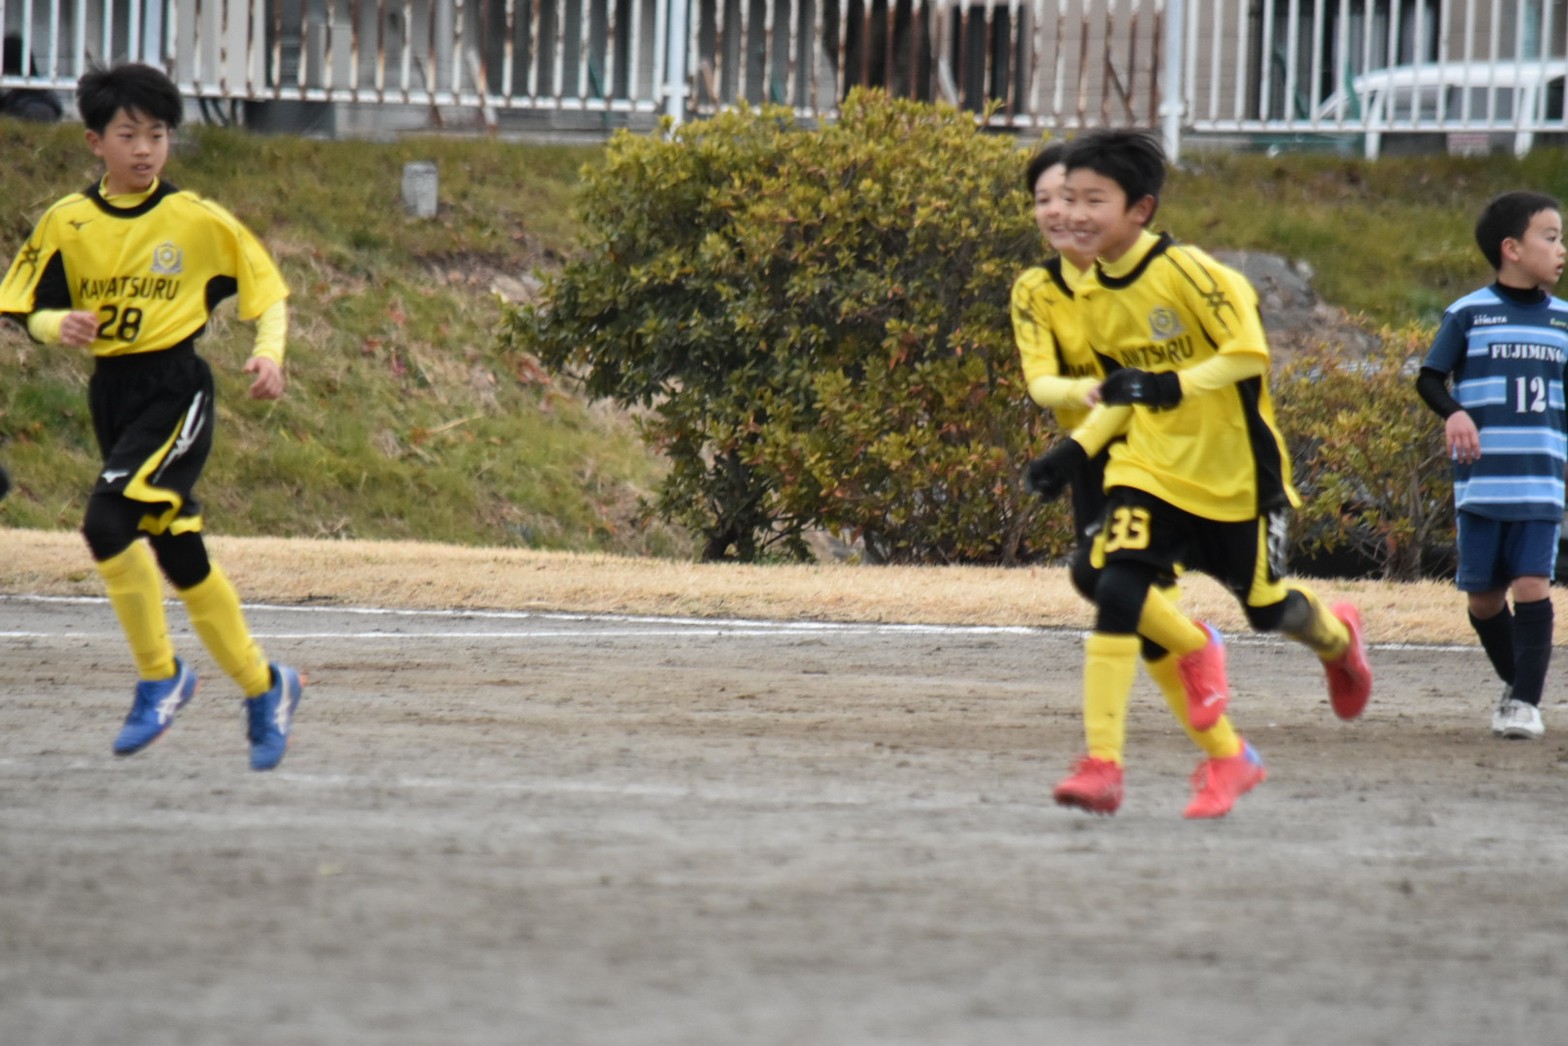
<point>1247,557</point>
<point>153,417</point>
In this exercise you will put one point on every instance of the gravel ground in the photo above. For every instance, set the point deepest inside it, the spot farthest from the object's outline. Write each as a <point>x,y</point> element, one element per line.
<point>594,830</point>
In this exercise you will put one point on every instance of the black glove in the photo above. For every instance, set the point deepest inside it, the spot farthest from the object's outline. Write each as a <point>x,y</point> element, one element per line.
<point>1051,472</point>
<point>5,484</point>
<point>1156,389</point>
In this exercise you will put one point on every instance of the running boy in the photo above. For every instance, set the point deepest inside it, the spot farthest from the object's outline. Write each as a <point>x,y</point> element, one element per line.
<point>130,268</point>
<point>1201,477</point>
<point>1063,373</point>
<point>1504,347</point>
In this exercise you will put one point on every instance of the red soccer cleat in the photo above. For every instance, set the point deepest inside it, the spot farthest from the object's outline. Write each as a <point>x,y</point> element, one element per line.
<point>1095,785</point>
<point>1202,675</point>
<point>1349,675</point>
<point>1218,783</point>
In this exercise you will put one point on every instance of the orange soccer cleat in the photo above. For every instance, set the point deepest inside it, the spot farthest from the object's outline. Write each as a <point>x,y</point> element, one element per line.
<point>1202,675</point>
<point>1095,785</point>
<point>1349,675</point>
<point>1218,783</point>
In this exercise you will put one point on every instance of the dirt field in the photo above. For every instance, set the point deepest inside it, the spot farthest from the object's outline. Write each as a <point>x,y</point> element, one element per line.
<point>592,830</point>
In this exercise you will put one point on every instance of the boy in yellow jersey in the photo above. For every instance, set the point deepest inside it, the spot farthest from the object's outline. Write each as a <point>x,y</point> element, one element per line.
<point>1063,373</point>
<point>130,268</point>
<point>1200,475</point>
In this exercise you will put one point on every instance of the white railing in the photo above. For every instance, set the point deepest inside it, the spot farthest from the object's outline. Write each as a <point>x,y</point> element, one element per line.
<point>1348,74</point>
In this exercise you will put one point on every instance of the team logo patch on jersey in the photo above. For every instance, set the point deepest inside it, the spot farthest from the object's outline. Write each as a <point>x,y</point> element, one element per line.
<point>1164,324</point>
<point>167,260</point>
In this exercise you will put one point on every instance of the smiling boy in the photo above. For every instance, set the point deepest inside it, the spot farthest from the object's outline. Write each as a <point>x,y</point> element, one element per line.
<point>1505,347</point>
<point>130,268</point>
<point>1062,372</point>
<point>1200,475</point>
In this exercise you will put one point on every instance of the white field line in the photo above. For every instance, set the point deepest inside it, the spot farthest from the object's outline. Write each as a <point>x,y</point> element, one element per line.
<point>661,626</point>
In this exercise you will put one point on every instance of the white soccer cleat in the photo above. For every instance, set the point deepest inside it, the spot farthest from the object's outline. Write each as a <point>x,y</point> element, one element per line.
<point>1518,721</point>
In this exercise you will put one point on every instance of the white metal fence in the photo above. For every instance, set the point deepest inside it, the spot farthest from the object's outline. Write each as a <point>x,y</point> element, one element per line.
<point>1342,74</point>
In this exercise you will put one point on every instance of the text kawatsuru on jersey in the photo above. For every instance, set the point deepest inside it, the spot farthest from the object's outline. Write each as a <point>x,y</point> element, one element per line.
<point>1218,454</point>
<point>152,272</point>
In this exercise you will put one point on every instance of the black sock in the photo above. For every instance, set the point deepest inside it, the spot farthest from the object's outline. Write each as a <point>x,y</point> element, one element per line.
<point>1497,639</point>
<point>1532,649</point>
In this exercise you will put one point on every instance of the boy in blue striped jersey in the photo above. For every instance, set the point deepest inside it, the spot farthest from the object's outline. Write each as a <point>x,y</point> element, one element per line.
<point>1504,349</point>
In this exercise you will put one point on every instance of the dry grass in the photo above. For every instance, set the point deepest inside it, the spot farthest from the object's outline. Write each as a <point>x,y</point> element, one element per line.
<point>418,575</point>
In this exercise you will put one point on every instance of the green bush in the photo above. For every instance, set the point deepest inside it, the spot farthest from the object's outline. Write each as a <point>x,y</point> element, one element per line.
<point>1369,460</point>
<point>813,323</point>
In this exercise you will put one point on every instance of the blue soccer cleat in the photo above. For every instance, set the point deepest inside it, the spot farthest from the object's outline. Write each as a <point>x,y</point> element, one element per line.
<point>271,715</point>
<point>153,711</point>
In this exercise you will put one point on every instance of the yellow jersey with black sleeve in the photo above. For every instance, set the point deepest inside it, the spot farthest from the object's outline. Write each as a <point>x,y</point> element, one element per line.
<point>152,267</point>
<point>1218,452</point>
<point>1059,366</point>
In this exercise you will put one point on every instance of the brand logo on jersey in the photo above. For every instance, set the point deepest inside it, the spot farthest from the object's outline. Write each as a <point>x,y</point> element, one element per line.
<point>77,225</point>
<point>1481,319</point>
<point>28,260</point>
<point>167,260</point>
<point>1164,324</point>
<point>110,475</point>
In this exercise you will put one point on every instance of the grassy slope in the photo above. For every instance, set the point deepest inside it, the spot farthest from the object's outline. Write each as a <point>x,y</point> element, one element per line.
<point>1391,241</point>
<point>400,399</point>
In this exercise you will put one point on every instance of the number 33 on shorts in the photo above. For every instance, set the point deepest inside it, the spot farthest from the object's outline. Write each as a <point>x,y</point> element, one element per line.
<point>1127,528</point>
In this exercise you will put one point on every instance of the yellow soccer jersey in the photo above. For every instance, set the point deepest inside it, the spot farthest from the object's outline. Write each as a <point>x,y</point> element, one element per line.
<point>1059,366</point>
<point>152,272</point>
<point>1218,453</point>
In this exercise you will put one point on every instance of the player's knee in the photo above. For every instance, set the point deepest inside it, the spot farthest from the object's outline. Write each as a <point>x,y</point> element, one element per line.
<point>183,558</point>
<point>1272,618</point>
<point>1119,595</point>
<point>109,525</point>
<point>1084,574</point>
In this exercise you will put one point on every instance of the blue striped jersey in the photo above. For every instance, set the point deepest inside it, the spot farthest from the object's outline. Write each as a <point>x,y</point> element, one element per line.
<point>1505,359</point>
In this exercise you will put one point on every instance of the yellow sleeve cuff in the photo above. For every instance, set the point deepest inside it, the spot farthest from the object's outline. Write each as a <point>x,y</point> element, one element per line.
<point>1104,423</point>
<point>272,329</point>
<point>1227,368</point>
<point>44,325</point>
<point>1050,390</point>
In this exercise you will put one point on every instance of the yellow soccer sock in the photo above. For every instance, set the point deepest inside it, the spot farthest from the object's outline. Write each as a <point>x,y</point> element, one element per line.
<point>1324,633</point>
<point>1110,665</point>
<point>1163,622</point>
<point>1217,742</point>
<point>216,616</point>
<point>136,592</point>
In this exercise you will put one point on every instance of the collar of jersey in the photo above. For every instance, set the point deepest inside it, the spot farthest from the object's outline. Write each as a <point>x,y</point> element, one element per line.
<point>1064,275</point>
<point>1130,266</point>
<point>144,202</point>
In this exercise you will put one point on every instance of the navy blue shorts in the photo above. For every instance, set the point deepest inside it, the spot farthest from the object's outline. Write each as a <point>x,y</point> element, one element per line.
<point>1494,552</point>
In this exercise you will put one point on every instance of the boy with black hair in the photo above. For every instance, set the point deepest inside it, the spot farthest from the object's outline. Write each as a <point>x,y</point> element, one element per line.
<point>131,268</point>
<point>1504,347</point>
<point>1200,476</point>
<point>1063,373</point>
